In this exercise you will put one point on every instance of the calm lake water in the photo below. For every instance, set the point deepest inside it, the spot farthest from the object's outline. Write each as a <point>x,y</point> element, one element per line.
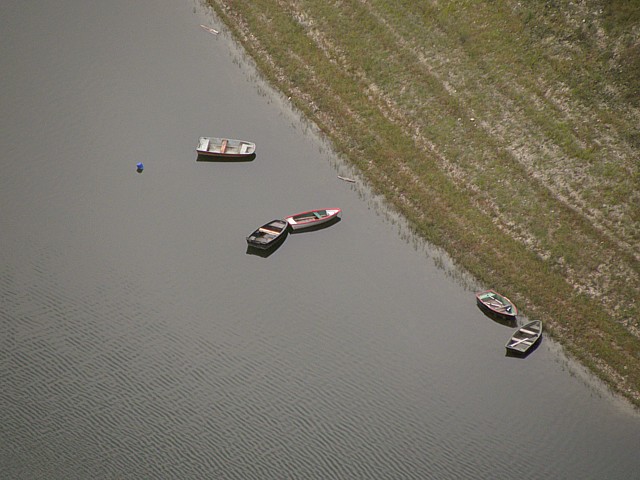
<point>140,339</point>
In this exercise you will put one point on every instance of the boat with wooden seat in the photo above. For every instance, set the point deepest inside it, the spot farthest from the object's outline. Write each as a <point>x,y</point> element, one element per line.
<point>496,304</point>
<point>312,218</point>
<point>524,337</point>
<point>268,235</point>
<point>225,148</point>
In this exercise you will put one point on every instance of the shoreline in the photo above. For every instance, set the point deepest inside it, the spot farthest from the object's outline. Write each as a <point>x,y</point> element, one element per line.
<point>480,230</point>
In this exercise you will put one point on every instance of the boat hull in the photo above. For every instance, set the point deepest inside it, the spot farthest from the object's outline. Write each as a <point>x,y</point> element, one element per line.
<point>224,155</point>
<point>225,148</point>
<point>269,235</point>
<point>524,338</point>
<point>496,304</point>
<point>312,218</point>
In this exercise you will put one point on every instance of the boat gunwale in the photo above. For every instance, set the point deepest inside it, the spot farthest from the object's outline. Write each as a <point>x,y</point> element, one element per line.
<point>291,219</point>
<point>512,314</point>
<point>219,141</point>
<point>267,233</point>
<point>526,342</point>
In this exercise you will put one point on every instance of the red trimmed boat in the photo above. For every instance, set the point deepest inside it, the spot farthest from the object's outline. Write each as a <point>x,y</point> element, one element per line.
<point>496,304</point>
<point>312,218</point>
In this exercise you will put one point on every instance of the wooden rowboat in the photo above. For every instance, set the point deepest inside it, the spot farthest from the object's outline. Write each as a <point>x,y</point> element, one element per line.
<point>525,337</point>
<point>225,148</point>
<point>312,218</point>
<point>268,235</point>
<point>496,304</point>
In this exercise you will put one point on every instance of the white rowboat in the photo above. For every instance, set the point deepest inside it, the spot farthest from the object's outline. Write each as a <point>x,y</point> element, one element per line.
<point>312,218</point>
<point>225,147</point>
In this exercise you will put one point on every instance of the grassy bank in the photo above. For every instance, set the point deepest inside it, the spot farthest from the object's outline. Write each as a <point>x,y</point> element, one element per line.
<point>505,132</point>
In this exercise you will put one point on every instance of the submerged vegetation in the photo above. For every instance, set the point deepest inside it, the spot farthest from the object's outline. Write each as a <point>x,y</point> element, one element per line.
<point>506,132</point>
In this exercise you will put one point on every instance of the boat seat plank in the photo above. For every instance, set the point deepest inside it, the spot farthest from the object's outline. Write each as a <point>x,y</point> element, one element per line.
<point>528,331</point>
<point>266,230</point>
<point>204,144</point>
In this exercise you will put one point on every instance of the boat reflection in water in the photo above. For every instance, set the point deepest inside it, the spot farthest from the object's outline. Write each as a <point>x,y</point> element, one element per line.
<point>264,253</point>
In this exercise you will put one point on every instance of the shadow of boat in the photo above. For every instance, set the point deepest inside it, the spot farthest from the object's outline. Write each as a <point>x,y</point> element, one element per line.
<point>316,228</point>
<point>222,159</point>
<point>507,321</point>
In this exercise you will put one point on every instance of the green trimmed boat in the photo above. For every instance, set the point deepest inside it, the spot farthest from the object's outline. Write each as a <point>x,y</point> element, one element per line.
<point>496,304</point>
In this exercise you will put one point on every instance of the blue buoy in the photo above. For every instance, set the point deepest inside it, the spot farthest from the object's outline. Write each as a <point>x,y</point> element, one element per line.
<point>140,166</point>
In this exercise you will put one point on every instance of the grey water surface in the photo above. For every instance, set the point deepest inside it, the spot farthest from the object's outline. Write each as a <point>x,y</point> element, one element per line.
<point>140,339</point>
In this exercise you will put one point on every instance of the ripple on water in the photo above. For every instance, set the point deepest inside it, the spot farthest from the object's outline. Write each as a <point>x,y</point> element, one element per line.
<point>100,371</point>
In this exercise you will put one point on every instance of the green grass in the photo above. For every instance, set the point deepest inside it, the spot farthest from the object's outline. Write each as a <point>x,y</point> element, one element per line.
<point>504,132</point>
